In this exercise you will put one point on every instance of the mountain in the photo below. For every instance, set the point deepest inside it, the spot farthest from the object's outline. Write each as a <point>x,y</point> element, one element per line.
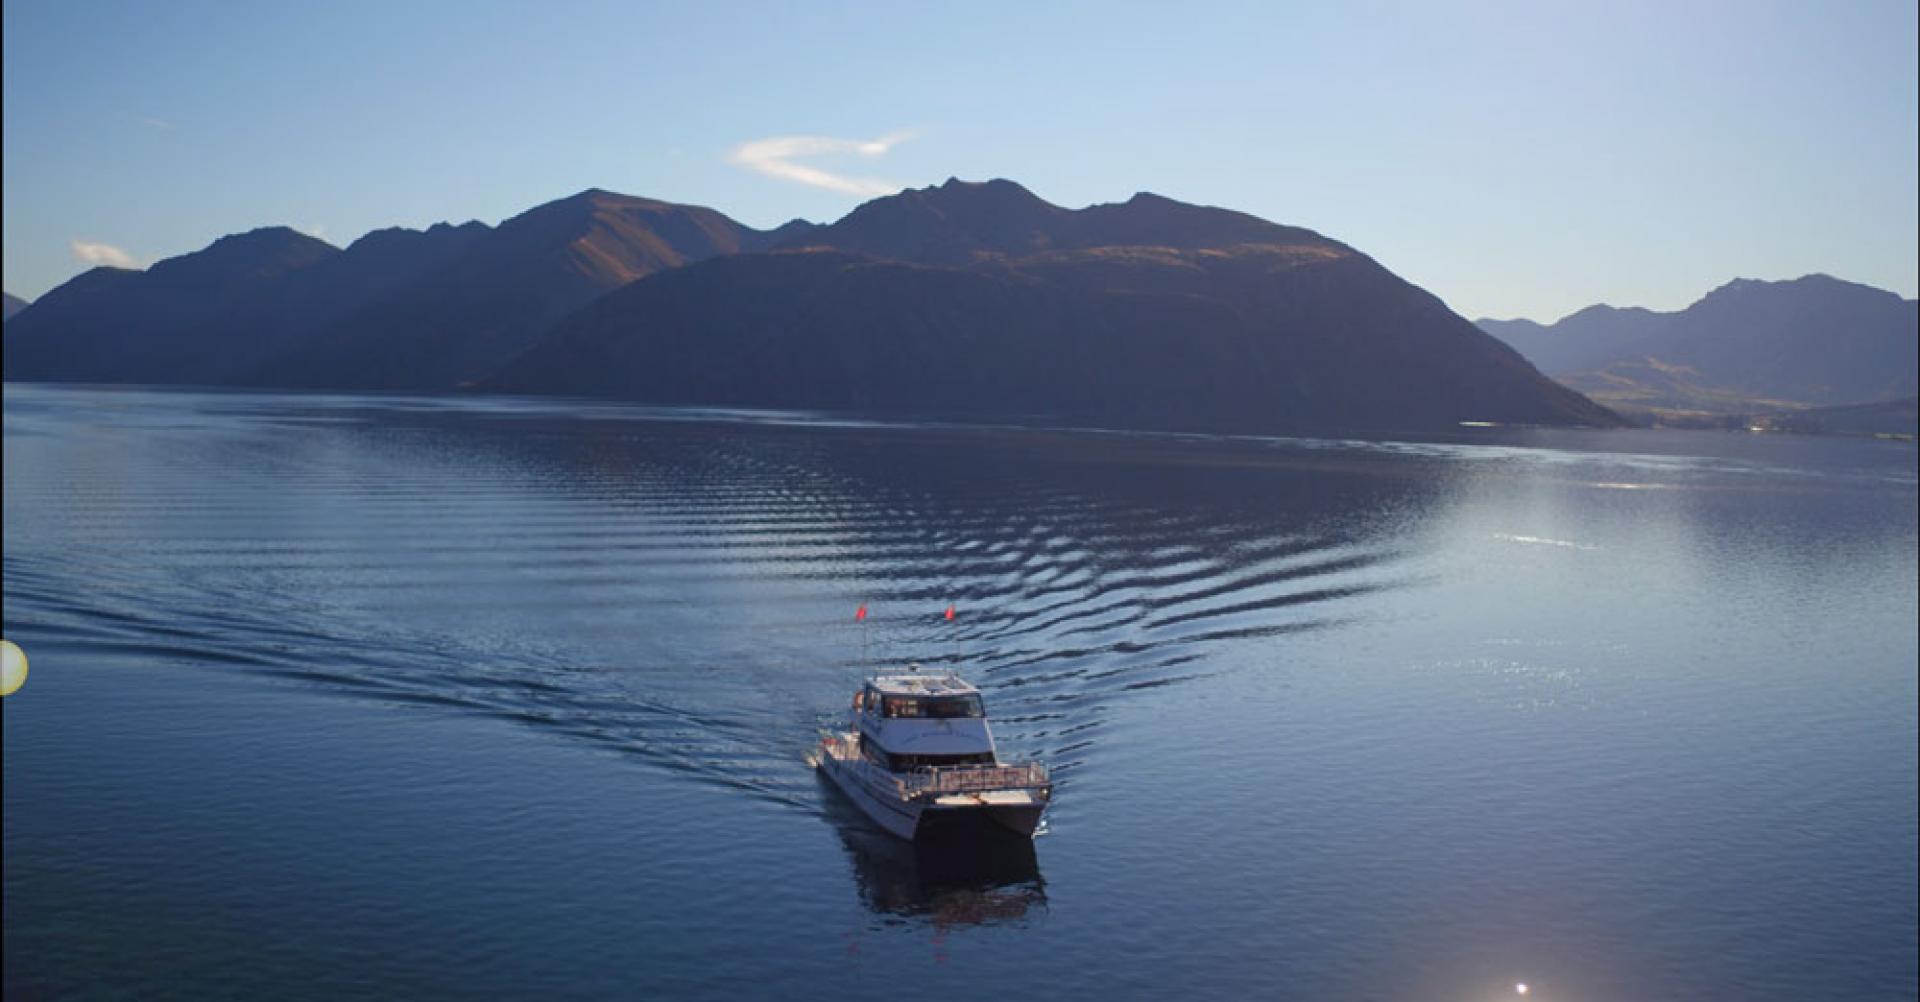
<point>399,309</point>
<point>977,299</point>
<point>1588,339</point>
<point>1812,341</point>
<point>963,222</point>
<point>981,299</point>
<point>162,325</point>
<point>10,304</point>
<point>462,322</point>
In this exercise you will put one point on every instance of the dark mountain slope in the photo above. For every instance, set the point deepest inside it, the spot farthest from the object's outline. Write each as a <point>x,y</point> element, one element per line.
<point>312,307</point>
<point>512,283</point>
<point>164,324</point>
<point>10,304</point>
<point>399,309</point>
<point>1262,336</point>
<point>969,298</point>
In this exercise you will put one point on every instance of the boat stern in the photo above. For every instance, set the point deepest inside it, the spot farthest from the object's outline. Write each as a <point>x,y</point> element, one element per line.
<point>1017,811</point>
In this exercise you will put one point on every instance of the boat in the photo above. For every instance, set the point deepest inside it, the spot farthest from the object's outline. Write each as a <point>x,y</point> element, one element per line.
<point>920,760</point>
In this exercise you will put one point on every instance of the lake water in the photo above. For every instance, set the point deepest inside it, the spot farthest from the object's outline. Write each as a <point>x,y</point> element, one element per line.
<point>338,695</point>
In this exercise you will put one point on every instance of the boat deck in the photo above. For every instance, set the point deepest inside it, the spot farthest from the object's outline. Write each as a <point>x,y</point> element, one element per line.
<point>955,786</point>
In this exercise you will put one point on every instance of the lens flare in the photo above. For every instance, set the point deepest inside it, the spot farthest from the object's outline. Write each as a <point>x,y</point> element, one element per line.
<point>13,668</point>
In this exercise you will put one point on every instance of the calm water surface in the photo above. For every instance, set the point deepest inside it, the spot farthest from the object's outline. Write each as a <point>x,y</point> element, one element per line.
<point>420,698</point>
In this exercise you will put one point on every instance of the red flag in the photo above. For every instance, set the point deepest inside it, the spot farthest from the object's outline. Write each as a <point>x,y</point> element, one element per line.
<point>860,614</point>
<point>949,612</point>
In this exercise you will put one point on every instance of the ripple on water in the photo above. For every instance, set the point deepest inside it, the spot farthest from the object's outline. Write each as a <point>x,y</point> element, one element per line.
<point>642,590</point>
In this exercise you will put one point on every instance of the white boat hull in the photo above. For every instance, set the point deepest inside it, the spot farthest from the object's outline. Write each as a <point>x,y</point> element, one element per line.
<point>901,817</point>
<point>878,796</point>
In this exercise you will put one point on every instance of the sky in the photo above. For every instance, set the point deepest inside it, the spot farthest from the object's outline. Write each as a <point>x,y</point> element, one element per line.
<point>1517,159</point>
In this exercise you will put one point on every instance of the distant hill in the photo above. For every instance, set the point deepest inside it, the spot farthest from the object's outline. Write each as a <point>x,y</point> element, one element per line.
<point>10,304</point>
<point>1746,346</point>
<point>399,309</point>
<point>1588,339</point>
<point>1892,418</point>
<point>982,299</point>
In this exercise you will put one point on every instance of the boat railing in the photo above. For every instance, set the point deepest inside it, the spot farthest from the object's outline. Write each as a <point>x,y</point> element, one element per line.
<point>973,778</point>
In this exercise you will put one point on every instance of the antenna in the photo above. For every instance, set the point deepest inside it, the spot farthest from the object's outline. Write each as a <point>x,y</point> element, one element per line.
<point>954,636</point>
<point>860,616</point>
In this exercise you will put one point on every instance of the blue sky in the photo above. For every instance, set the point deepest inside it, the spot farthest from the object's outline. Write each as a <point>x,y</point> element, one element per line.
<point>1516,159</point>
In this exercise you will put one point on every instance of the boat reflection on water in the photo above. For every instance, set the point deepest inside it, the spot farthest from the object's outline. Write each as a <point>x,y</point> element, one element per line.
<point>980,876</point>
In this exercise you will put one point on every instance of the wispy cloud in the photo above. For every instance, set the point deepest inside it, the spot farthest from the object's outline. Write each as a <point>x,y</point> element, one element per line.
<point>95,253</point>
<point>775,157</point>
<point>155,123</point>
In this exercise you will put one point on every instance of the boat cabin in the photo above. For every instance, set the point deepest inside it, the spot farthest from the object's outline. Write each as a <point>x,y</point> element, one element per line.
<point>918,720</point>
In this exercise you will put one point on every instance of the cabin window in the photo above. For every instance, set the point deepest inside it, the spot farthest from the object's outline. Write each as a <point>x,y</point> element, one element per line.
<point>955,706</point>
<point>902,763</point>
<point>935,706</point>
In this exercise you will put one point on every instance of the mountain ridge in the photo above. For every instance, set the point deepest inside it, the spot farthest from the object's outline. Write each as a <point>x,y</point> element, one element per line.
<point>960,222</point>
<point>979,298</point>
<point>472,312</point>
<point>971,297</point>
<point>397,309</point>
<point>1813,341</point>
